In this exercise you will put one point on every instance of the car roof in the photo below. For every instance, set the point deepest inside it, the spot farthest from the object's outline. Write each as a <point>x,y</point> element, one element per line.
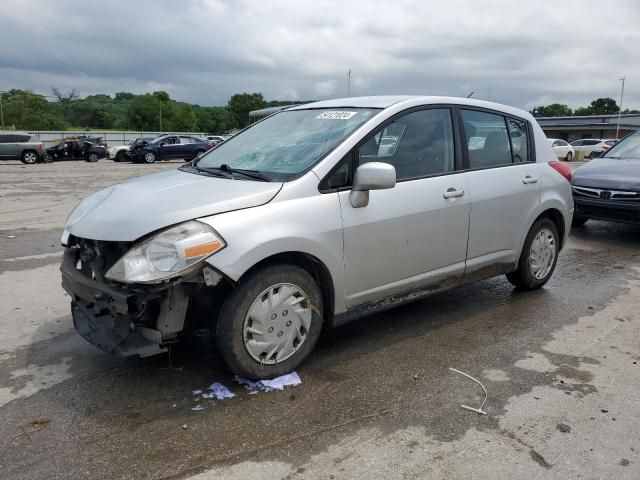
<point>10,132</point>
<point>386,101</point>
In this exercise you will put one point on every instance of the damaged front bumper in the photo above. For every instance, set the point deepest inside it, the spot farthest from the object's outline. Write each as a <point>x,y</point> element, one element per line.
<point>122,319</point>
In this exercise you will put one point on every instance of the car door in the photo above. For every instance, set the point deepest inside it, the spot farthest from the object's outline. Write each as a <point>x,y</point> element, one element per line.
<point>505,189</point>
<point>186,147</point>
<point>415,234</point>
<point>169,148</point>
<point>3,141</point>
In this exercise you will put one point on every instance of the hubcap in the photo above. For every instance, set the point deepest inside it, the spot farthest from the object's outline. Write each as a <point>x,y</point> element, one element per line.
<point>277,323</point>
<point>542,254</point>
<point>149,157</point>
<point>30,157</point>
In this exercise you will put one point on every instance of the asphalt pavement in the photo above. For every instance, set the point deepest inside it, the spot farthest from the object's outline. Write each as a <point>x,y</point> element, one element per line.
<point>377,399</point>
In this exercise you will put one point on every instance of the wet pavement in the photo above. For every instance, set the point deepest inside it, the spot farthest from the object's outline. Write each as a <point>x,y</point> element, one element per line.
<point>377,398</point>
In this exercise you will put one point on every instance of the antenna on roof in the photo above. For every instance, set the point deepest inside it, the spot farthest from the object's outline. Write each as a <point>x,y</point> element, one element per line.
<point>349,83</point>
<point>470,95</point>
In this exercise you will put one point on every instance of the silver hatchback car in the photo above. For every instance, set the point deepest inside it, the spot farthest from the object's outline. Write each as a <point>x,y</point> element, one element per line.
<point>312,217</point>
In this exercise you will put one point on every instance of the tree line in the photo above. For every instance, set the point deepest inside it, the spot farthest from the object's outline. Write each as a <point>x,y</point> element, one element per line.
<point>599,106</point>
<point>157,111</point>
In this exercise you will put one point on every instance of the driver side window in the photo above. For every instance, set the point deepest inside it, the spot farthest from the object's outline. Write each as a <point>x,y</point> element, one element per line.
<point>417,144</point>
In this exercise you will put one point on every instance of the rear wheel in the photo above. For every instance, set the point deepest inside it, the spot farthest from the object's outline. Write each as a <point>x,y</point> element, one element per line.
<point>538,258</point>
<point>92,157</point>
<point>569,156</point>
<point>149,157</point>
<point>270,322</point>
<point>29,157</point>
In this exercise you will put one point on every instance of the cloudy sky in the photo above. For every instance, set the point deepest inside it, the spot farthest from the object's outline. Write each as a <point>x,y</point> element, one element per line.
<point>518,52</point>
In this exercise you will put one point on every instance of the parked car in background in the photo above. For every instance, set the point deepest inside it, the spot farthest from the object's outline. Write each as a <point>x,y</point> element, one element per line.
<point>313,217</point>
<point>90,149</point>
<point>608,188</point>
<point>590,147</point>
<point>562,149</point>
<point>215,139</point>
<point>21,146</point>
<point>120,153</point>
<point>168,147</point>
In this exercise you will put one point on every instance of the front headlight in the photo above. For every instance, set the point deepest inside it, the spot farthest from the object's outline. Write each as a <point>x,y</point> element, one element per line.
<point>168,254</point>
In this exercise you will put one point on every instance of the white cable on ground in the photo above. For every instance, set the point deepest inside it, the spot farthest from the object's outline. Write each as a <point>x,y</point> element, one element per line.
<point>477,410</point>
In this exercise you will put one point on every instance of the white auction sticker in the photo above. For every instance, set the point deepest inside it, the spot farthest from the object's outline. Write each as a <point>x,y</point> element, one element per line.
<point>336,115</point>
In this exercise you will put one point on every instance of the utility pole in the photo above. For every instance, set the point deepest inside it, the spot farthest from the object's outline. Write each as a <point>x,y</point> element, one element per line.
<point>1,112</point>
<point>620,107</point>
<point>160,117</point>
<point>349,83</point>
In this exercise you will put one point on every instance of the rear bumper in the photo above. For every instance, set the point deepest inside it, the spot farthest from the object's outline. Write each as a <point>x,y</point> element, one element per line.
<point>121,320</point>
<point>624,212</point>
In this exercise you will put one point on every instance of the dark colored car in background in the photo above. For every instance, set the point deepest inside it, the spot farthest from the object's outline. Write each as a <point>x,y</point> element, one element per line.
<point>608,187</point>
<point>167,147</point>
<point>90,149</point>
<point>21,146</point>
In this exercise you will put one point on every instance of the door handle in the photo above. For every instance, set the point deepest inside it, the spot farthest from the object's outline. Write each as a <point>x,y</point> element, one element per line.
<point>529,179</point>
<point>453,193</point>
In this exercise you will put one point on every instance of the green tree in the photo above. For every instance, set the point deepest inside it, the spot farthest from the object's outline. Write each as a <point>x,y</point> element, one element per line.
<point>241,104</point>
<point>214,120</point>
<point>181,118</point>
<point>600,106</point>
<point>553,110</point>
<point>25,110</point>
<point>144,112</point>
<point>124,96</point>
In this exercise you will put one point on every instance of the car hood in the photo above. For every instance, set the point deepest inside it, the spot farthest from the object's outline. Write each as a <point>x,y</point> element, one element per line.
<point>132,209</point>
<point>610,174</point>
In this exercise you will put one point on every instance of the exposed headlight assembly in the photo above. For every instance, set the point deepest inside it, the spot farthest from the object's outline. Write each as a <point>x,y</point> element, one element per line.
<point>172,252</point>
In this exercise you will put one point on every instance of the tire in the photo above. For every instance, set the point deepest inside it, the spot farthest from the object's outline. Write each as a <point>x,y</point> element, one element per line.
<point>149,157</point>
<point>578,221</point>
<point>29,157</point>
<point>526,277</point>
<point>569,156</point>
<point>235,328</point>
<point>92,157</point>
<point>121,156</point>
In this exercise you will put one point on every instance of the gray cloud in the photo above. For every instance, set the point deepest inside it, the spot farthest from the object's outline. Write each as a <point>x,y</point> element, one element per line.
<point>203,51</point>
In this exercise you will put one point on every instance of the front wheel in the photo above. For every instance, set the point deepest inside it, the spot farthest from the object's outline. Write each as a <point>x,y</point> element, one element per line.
<point>92,157</point>
<point>538,258</point>
<point>149,157</point>
<point>271,322</point>
<point>569,156</point>
<point>121,156</point>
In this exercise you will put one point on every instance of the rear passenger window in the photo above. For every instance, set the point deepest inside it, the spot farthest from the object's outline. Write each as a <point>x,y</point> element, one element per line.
<point>417,144</point>
<point>4,139</point>
<point>519,140</point>
<point>487,139</point>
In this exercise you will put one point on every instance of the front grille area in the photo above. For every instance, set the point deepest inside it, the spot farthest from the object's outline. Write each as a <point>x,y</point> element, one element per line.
<point>96,257</point>
<point>604,194</point>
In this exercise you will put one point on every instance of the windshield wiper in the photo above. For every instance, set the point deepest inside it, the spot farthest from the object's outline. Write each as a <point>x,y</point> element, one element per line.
<point>255,174</point>
<point>215,172</point>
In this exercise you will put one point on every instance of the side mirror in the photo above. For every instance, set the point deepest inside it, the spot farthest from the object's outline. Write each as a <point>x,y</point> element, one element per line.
<point>162,144</point>
<point>371,176</point>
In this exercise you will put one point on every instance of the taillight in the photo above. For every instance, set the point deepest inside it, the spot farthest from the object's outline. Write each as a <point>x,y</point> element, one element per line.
<point>562,168</point>
<point>210,145</point>
<point>42,147</point>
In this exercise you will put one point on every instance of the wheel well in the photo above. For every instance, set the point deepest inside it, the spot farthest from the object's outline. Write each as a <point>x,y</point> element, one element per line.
<point>558,220</point>
<point>313,267</point>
